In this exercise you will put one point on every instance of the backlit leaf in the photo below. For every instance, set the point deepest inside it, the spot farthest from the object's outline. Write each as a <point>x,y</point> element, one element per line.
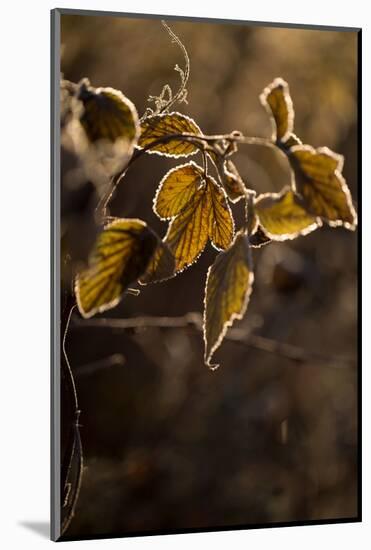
<point>319,181</point>
<point>221,226</point>
<point>282,217</point>
<point>121,254</point>
<point>102,128</point>
<point>206,215</point>
<point>176,189</point>
<point>156,127</point>
<point>189,231</point>
<point>277,101</point>
<point>107,114</point>
<point>228,287</point>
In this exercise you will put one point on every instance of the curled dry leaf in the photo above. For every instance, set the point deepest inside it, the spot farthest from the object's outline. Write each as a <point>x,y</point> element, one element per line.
<point>120,256</point>
<point>101,127</point>
<point>282,217</point>
<point>107,114</point>
<point>228,287</point>
<point>157,127</point>
<point>319,181</point>
<point>278,103</point>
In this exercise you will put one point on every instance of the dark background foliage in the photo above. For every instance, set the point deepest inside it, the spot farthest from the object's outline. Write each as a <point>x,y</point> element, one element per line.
<point>167,443</point>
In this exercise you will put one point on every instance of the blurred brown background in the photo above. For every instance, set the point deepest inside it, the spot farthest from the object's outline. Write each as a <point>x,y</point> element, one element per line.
<point>167,443</point>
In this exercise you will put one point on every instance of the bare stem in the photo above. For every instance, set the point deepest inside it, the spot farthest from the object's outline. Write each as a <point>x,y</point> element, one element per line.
<point>238,335</point>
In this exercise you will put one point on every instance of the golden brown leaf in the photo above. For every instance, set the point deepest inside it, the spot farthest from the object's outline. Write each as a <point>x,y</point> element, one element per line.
<point>176,189</point>
<point>221,226</point>
<point>319,181</point>
<point>189,231</point>
<point>206,215</point>
<point>155,127</point>
<point>228,287</point>
<point>277,101</point>
<point>282,216</point>
<point>107,114</point>
<point>120,256</point>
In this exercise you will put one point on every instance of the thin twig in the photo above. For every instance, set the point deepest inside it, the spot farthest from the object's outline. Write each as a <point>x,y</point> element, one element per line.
<point>181,94</point>
<point>238,335</point>
<point>68,369</point>
<point>72,476</point>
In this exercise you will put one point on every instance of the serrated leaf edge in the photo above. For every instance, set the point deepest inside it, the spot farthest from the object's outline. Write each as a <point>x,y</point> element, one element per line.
<point>285,236</point>
<point>220,188</point>
<point>338,172</point>
<point>76,286</point>
<point>172,155</point>
<point>235,316</point>
<point>160,185</point>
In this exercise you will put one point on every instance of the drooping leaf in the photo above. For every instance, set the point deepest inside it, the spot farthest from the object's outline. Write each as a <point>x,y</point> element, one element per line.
<point>233,183</point>
<point>228,287</point>
<point>161,266</point>
<point>319,181</point>
<point>176,189</point>
<point>282,216</point>
<point>206,215</point>
<point>120,256</point>
<point>155,128</point>
<point>107,114</point>
<point>259,238</point>
<point>278,103</point>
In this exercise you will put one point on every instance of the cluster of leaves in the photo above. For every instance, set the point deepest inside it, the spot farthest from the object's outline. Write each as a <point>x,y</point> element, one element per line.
<point>197,205</point>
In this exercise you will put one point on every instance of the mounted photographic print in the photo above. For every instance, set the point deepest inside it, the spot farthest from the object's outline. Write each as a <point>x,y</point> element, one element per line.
<point>205,229</point>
